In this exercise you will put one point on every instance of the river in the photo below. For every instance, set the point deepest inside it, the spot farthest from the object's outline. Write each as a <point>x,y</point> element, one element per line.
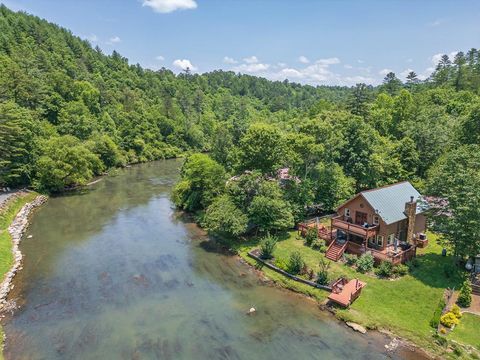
<point>116,273</point>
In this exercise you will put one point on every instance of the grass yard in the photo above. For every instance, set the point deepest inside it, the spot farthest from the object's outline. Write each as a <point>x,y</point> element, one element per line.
<point>6,217</point>
<point>404,306</point>
<point>468,331</point>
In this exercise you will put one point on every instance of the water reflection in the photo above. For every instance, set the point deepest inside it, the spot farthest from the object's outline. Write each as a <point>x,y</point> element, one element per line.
<point>114,274</point>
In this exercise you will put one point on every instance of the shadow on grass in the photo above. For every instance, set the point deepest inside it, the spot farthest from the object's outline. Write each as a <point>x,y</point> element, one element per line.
<point>438,271</point>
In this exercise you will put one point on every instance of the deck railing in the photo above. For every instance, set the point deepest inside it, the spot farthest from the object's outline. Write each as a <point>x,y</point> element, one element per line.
<point>359,230</point>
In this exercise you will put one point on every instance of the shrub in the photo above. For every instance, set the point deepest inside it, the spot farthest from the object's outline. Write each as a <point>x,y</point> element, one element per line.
<point>319,244</point>
<point>311,236</point>
<point>295,264</point>
<point>281,263</point>
<point>322,275</point>
<point>440,339</point>
<point>267,247</point>
<point>400,270</point>
<point>437,314</point>
<point>365,263</point>
<point>465,296</point>
<point>443,331</point>
<point>385,269</point>
<point>449,319</point>
<point>413,263</point>
<point>350,259</point>
<point>456,311</point>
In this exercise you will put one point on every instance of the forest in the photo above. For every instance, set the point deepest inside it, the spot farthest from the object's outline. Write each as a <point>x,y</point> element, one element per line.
<point>68,112</point>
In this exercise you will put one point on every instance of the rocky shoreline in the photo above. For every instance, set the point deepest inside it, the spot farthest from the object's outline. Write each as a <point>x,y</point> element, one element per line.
<point>16,230</point>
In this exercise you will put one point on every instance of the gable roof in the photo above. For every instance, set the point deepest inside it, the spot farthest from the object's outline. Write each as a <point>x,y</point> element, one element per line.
<point>390,200</point>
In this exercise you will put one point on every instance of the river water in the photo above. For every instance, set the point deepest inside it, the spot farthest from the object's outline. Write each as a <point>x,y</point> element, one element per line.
<point>116,273</point>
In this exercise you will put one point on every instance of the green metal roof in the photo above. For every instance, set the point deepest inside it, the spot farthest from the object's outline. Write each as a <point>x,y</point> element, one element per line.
<point>390,201</point>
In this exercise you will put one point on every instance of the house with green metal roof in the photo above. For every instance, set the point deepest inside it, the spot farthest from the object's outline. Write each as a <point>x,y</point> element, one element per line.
<point>389,222</point>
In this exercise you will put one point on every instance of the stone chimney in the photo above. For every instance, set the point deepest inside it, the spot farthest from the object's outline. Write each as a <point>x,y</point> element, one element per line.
<point>410,213</point>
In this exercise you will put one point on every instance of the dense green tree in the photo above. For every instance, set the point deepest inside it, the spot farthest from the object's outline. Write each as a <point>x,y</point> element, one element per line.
<point>65,162</point>
<point>270,214</point>
<point>456,176</point>
<point>262,148</point>
<point>224,218</point>
<point>16,137</point>
<point>391,84</point>
<point>332,186</point>
<point>202,180</point>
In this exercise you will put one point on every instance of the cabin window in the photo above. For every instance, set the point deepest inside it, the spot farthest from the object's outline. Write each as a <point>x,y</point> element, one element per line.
<point>391,239</point>
<point>347,212</point>
<point>379,240</point>
<point>376,219</point>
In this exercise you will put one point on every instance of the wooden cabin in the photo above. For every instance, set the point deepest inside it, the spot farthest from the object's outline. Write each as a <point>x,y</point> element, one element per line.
<point>389,222</point>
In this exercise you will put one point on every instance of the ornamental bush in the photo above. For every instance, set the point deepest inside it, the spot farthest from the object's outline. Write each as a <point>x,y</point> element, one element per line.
<point>365,263</point>
<point>311,236</point>
<point>295,264</point>
<point>449,319</point>
<point>385,269</point>
<point>456,311</point>
<point>465,296</point>
<point>322,275</point>
<point>400,270</point>
<point>267,247</point>
<point>350,259</point>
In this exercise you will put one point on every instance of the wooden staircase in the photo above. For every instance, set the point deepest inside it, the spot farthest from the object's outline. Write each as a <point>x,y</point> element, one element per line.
<point>476,289</point>
<point>335,250</point>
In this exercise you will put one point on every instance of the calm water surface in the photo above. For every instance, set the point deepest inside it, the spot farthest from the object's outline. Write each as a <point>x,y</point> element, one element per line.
<point>115,273</point>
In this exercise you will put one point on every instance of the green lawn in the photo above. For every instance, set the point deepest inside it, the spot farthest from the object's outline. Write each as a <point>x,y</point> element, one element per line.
<point>468,331</point>
<point>404,306</point>
<point>6,217</point>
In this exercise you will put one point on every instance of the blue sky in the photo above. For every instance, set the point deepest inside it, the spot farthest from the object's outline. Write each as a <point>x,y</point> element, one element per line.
<point>333,42</point>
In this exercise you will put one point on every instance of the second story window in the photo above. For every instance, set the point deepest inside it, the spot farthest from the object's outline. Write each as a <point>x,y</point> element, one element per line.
<point>376,220</point>
<point>347,212</point>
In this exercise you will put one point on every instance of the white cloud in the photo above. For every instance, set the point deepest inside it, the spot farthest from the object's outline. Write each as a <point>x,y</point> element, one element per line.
<point>168,6</point>
<point>281,64</point>
<point>251,60</point>
<point>160,58</point>
<point>410,60</point>
<point>184,64</point>
<point>328,61</point>
<point>251,68</point>
<point>92,38</point>
<point>114,40</point>
<point>229,60</point>
<point>435,23</point>
<point>384,72</point>
<point>347,66</point>
<point>360,61</point>
<point>303,59</point>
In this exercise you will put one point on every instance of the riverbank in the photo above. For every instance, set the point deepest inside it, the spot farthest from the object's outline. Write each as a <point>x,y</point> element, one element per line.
<point>401,307</point>
<point>14,216</point>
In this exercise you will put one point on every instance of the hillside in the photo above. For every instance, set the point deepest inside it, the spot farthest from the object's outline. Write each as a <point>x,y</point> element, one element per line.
<point>58,95</point>
<point>69,112</point>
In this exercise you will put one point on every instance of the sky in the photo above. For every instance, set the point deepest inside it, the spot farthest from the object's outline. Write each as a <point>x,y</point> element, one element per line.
<point>317,42</point>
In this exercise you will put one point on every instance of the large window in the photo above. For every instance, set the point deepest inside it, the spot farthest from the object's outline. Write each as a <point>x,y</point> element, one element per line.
<point>391,239</point>
<point>379,240</point>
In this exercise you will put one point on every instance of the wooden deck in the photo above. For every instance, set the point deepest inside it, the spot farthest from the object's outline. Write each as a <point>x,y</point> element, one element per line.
<point>359,230</point>
<point>345,292</point>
